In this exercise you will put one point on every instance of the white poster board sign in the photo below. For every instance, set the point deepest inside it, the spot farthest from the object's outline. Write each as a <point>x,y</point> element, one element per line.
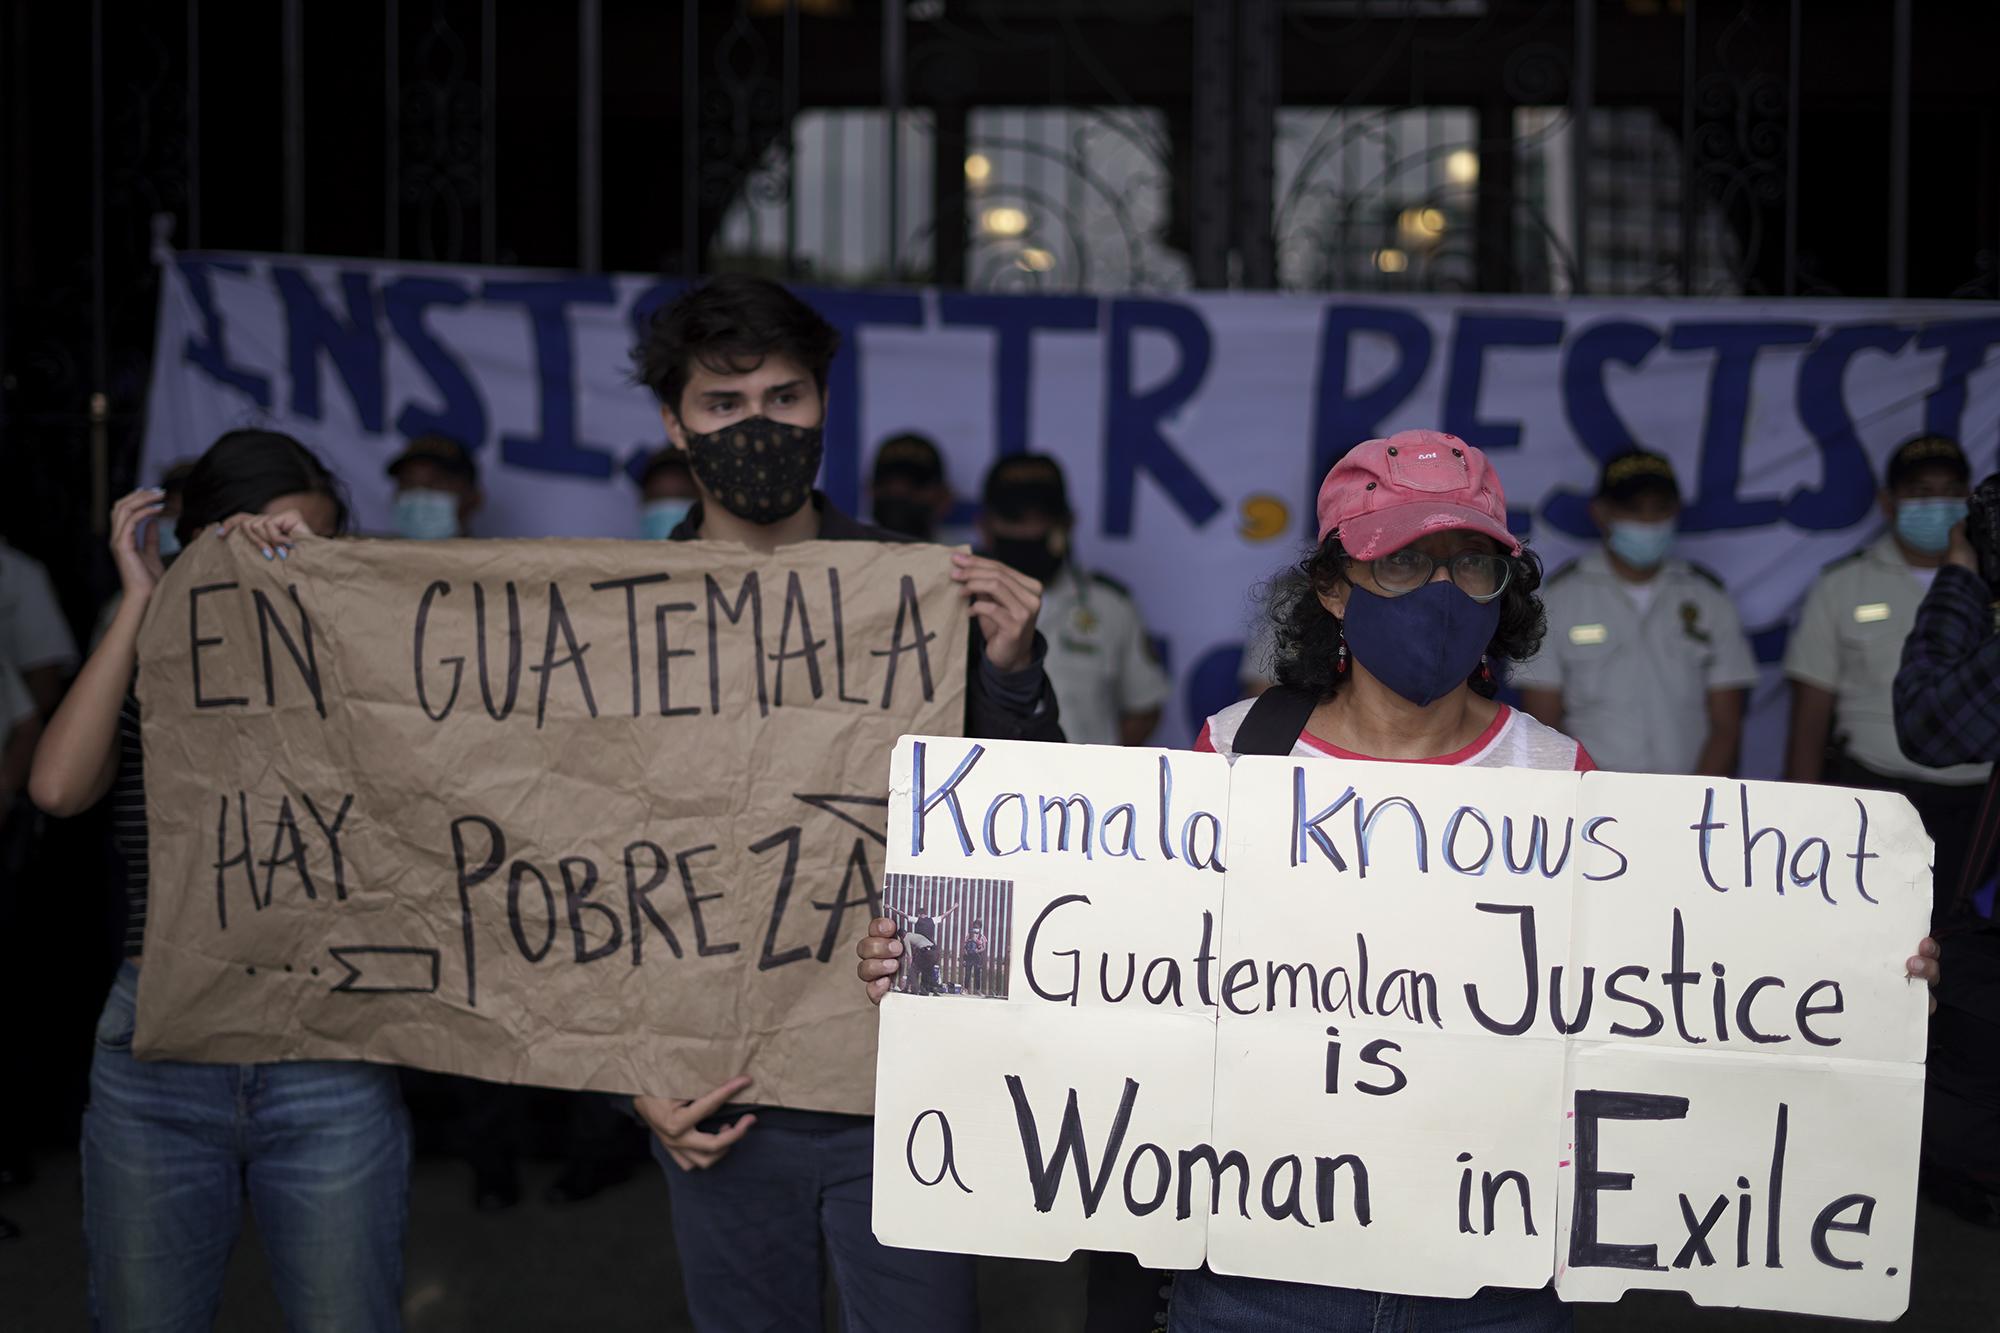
<point>1404,1027</point>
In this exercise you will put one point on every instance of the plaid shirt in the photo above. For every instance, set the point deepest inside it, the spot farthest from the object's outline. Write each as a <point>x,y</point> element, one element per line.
<point>1948,690</point>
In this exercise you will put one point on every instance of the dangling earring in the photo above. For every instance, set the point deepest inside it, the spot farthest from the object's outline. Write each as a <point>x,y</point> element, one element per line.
<point>1485,671</point>
<point>1340,663</point>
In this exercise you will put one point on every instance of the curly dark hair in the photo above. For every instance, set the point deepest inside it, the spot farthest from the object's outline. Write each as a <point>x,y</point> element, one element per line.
<point>730,324</point>
<point>1306,636</point>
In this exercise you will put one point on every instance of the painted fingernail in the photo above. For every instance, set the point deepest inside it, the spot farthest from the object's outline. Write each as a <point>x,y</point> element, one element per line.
<point>267,553</point>
<point>284,553</point>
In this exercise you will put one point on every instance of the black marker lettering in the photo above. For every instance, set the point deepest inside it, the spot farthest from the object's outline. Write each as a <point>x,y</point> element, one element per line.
<point>579,877</point>
<point>1531,970</point>
<point>1592,1106</point>
<point>839,643</point>
<point>1045,1175</point>
<point>702,948</point>
<point>749,593</point>
<point>795,607</point>
<point>631,587</point>
<point>573,658</point>
<point>439,588</point>
<point>506,707</point>
<point>300,649</point>
<point>907,610</point>
<point>789,839</point>
<point>331,832</point>
<point>639,901</point>
<point>196,643</point>
<point>496,852</point>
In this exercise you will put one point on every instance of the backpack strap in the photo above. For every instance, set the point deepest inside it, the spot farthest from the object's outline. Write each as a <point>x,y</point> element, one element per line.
<point>1275,721</point>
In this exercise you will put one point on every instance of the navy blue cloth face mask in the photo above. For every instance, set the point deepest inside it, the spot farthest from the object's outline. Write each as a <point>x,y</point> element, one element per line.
<point>1423,644</point>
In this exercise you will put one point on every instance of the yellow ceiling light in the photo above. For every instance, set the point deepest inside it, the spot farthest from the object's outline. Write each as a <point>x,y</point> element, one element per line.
<point>978,167</point>
<point>1421,225</point>
<point>1391,260</point>
<point>1005,221</point>
<point>1036,260</point>
<point>1461,166</point>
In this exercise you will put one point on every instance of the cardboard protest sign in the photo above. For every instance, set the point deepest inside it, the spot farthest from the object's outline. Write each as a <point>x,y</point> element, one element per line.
<point>1413,1028</point>
<point>598,815</point>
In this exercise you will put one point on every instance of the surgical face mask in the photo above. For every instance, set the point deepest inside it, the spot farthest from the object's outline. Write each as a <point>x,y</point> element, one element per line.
<point>426,516</point>
<point>758,469</point>
<point>1423,644</point>
<point>1926,524</point>
<point>659,518</point>
<point>1037,557</point>
<point>1641,545</point>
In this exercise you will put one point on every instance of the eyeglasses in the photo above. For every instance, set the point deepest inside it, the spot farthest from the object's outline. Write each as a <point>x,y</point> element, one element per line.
<point>1479,576</point>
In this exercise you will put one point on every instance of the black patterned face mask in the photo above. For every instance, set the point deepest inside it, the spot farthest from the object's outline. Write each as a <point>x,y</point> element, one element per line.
<point>758,469</point>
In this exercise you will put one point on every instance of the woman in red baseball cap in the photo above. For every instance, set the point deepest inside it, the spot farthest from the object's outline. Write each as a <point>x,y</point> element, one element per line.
<point>1387,637</point>
<point>1388,634</point>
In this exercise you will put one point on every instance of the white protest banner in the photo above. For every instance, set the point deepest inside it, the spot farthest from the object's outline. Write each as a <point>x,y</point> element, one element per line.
<point>1195,424</point>
<point>1405,1027</point>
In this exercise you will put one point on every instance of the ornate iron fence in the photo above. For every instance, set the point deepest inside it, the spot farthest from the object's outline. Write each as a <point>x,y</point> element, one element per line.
<point>1591,146</point>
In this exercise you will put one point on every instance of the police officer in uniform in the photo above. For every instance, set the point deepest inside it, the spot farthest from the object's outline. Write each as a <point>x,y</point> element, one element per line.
<point>437,488</point>
<point>1844,654</point>
<point>1645,662</point>
<point>1107,683</point>
<point>1109,690</point>
<point>908,492</point>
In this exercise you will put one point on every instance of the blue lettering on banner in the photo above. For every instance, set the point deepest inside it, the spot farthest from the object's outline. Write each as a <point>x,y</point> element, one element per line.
<point>463,411</point>
<point>355,343</point>
<point>1551,388</point>
<point>210,350</point>
<point>1596,423</point>
<point>556,448</point>
<point>1847,492</point>
<point>850,312</point>
<point>1471,338</point>
<point>1736,345</point>
<point>649,302</point>
<point>1014,321</point>
<point>1965,342</point>
<point>1343,419</point>
<point>1132,438</point>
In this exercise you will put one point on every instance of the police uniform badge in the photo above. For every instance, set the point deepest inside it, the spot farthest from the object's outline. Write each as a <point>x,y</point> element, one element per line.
<point>1691,623</point>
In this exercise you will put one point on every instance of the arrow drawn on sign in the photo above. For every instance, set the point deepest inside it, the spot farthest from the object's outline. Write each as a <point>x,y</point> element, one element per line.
<point>828,804</point>
<point>393,967</point>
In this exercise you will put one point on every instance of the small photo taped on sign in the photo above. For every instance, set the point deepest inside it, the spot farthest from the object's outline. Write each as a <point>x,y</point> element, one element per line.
<point>957,934</point>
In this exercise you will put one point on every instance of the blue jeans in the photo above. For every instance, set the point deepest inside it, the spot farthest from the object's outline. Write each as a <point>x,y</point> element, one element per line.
<point>1205,1302</point>
<point>170,1150</point>
<point>749,1231</point>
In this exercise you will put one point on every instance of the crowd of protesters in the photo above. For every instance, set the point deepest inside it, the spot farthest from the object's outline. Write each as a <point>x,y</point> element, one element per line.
<point>1402,633</point>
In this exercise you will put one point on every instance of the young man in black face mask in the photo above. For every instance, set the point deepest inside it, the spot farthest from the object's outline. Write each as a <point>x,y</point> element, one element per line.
<point>740,366</point>
<point>1100,659</point>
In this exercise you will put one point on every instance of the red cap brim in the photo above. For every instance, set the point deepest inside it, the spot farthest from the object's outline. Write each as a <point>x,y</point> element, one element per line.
<point>1370,536</point>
